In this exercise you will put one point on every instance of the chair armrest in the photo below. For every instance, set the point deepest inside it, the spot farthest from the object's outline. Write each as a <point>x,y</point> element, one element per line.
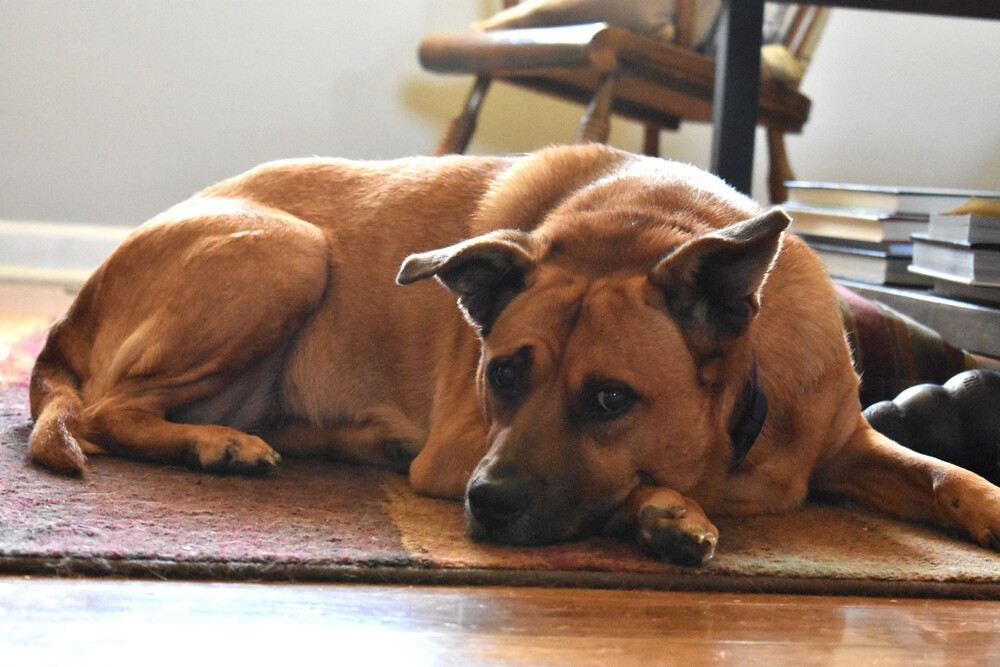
<point>504,50</point>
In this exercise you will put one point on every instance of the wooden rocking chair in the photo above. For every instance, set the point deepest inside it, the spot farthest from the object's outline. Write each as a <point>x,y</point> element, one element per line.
<point>610,69</point>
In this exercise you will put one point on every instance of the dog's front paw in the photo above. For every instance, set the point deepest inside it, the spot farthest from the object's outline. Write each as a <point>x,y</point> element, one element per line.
<point>971,503</point>
<point>233,452</point>
<point>669,526</point>
<point>670,534</point>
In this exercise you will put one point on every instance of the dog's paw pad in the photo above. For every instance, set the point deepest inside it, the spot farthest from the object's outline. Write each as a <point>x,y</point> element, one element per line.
<point>667,534</point>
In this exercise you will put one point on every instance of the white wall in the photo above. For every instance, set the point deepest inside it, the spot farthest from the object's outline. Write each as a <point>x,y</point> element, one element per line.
<point>111,110</point>
<point>904,99</point>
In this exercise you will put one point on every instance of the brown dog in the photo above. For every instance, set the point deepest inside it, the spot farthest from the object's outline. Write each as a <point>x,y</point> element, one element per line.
<point>632,321</point>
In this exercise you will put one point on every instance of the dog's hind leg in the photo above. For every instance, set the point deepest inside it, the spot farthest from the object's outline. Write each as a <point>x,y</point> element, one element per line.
<point>136,431</point>
<point>877,472</point>
<point>188,320</point>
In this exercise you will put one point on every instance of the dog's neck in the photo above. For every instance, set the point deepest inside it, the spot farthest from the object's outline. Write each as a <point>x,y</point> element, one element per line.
<point>748,418</point>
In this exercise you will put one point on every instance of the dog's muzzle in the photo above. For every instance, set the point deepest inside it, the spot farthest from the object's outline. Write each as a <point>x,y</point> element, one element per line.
<point>523,510</point>
<point>509,507</point>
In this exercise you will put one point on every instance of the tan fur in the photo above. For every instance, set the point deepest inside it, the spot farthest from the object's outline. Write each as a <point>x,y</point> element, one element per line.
<point>263,313</point>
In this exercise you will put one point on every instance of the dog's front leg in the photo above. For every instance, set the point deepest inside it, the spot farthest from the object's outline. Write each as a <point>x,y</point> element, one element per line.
<point>442,469</point>
<point>875,471</point>
<point>668,525</point>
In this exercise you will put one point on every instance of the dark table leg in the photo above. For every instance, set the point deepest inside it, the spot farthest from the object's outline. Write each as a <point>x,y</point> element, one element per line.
<point>737,87</point>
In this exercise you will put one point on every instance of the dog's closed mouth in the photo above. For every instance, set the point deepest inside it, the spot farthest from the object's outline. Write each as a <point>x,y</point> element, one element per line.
<point>501,514</point>
<point>527,532</point>
<point>499,511</point>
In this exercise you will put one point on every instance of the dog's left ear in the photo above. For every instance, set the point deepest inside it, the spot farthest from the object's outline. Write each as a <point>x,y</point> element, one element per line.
<point>712,282</point>
<point>486,273</point>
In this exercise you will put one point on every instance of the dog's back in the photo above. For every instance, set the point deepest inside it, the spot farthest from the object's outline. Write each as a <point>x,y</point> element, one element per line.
<point>250,272</point>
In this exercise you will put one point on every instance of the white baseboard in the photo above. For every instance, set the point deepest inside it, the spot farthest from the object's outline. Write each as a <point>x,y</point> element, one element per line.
<point>54,252</point>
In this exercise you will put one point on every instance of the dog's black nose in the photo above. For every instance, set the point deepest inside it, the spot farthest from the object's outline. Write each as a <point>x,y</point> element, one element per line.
<point>495,503</point>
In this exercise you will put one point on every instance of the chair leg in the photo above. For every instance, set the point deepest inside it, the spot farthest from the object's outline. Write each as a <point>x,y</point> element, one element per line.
<point>456,138</point>
<point>595,126</point>
<point>651,140</point>
<point>780,170</point>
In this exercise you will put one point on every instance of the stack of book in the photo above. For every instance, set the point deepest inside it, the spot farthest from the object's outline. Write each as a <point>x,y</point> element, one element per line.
<point>863,232</point>
<point>960,253</point>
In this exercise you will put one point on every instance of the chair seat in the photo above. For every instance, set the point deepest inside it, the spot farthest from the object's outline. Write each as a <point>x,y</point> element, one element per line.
<point>657,83</point>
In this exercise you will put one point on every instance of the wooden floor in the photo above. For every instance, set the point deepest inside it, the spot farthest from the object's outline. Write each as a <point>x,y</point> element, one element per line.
<point>80,622</point>
<point>101,622</point>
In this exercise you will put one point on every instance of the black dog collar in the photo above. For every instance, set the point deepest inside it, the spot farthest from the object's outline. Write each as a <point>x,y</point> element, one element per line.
<point>748,419</point>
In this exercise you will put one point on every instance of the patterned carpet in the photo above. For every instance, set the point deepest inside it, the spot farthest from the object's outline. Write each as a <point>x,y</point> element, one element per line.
<point>326,522</point>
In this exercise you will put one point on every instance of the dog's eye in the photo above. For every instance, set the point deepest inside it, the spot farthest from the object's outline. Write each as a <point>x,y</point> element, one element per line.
<point>504,376</point>
<point>610,401</point>
<point>508,375</point>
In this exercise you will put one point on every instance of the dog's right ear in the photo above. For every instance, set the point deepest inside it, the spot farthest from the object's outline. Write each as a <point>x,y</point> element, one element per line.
<point>712,282</point>
<point>485,272</point>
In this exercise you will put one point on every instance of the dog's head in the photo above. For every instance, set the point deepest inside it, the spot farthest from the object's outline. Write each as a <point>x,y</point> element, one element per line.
<point>606,362</point>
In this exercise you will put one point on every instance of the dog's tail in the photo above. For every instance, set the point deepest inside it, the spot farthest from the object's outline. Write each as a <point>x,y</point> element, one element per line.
<point>56,407</point>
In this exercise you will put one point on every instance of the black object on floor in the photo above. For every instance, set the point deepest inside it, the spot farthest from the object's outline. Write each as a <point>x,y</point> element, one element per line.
<point>958,421</point>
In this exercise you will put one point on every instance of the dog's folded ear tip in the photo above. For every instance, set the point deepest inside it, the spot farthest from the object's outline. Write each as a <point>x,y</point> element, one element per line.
<point>404,277</point>
<point>413,269</point>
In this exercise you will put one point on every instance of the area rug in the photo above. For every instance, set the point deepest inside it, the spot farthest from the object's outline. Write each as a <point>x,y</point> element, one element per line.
<point>326,522</point>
